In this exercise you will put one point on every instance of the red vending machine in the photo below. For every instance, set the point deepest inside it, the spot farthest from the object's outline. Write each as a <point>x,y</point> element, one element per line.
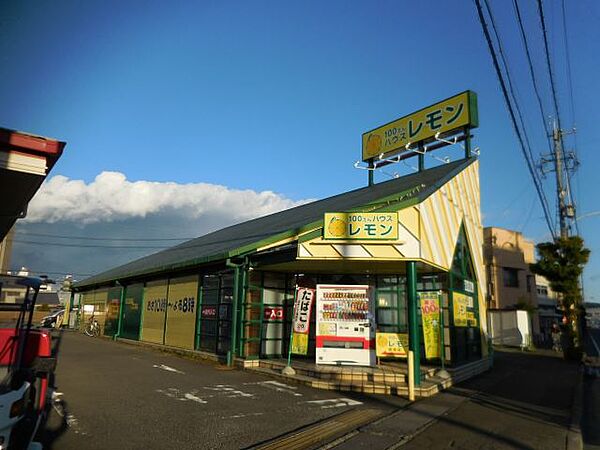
<point>345,329</point>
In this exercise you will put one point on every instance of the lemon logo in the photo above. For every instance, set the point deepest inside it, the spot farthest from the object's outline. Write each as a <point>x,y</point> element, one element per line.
<point>382,341</point>
<point>374,144</point>
<point>337,227</point>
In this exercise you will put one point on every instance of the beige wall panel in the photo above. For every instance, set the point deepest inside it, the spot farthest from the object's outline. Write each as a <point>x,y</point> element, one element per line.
<point>154,311</point>
<point>383,251</point>
<point>181,312</point>
<point>323,251</point>
<point>409,217</point>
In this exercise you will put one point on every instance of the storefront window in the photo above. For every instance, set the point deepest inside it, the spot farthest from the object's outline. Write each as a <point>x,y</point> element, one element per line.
<point>390,304</point>
<point>216,312</point>
<point>266,311</point>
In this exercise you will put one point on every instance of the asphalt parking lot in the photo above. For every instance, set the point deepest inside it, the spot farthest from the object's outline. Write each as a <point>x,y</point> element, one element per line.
<point>115,395</point>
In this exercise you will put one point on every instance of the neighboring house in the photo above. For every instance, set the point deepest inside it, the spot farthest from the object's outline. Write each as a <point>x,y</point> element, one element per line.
<point>510,283</point>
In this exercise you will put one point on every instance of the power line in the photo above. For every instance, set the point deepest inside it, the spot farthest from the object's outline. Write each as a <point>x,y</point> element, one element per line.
<point>572,100</point>
<point>86,245</point>
<point>512,114</point>
<point>550,72</point>
<point>52,272</point>
<point>568,58</point>
<point>509,80</point>
<point>531,71</point>
<point>103,238</point>
<point>182,246</point>
<point>557,111</point>
<point>512,92</point>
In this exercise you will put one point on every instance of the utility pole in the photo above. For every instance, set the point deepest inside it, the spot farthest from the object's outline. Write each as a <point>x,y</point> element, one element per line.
<point>560,162</point>
<point>560,190</point>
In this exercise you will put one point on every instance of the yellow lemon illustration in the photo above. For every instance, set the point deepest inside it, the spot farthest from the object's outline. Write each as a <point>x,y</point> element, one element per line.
<point>374,144</point>
<point>337,227</point>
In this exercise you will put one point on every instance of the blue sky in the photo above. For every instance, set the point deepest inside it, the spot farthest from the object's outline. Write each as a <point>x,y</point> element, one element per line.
<point>274,96</point>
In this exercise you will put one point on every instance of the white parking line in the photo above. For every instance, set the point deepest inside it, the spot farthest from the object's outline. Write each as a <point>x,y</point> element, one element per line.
<point>277,386</point>
<point>335,402</point>
<point>177,394</point>
<point>228,390</point>
<point>168,368</point>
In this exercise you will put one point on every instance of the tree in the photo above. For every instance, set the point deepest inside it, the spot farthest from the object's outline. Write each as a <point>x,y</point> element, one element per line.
<point>561,262</point>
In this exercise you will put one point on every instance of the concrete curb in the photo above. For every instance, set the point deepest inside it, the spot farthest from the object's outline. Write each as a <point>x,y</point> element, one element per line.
<point>574,438</point>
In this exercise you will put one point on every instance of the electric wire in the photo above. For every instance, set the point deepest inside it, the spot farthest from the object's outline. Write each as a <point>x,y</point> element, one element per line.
<point>532,71</point>
<point>572,103</point>
<point>514,97</point>
<point>90,238</point>
<point>510,83</point>
<point>43,272</point>
<point>555,102</point>
<point>512,114</point>
<point>59,244</point>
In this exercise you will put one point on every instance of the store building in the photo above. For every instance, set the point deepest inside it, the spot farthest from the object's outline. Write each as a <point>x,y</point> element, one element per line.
<point>232,292</point>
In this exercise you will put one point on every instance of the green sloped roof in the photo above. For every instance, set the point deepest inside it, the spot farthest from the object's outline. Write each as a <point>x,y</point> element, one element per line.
<point>247,236</point>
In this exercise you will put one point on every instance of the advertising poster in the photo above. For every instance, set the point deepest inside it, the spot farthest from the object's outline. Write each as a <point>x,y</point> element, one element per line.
<point>460,304</point>
<point>113,307</point>
<point>430,317</point>
<point>392,345</point>
<point>301,320</point>
<point>181,312</point>
<point>155,311</point>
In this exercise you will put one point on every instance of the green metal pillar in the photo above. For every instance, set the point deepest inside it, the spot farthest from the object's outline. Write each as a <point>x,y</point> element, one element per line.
<point>238,319</point>
<point>237,300</point>
<point>467,142</point>
<point>198,313</point>
<point>414,343</point>
<point>371,172</point>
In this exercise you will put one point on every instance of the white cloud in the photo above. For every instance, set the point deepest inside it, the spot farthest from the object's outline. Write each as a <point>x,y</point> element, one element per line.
<point>111,197</point>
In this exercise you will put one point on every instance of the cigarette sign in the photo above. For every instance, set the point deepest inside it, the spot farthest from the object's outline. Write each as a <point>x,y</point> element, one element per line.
<point>450,114</point>
<point>304,301</point>
<point>301,322</point>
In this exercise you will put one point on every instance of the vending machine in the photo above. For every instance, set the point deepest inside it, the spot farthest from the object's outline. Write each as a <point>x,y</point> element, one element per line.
<point>345,329</point>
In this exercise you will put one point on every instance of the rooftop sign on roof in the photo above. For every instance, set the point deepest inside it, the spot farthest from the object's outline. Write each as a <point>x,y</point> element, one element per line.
<point>454,113</point>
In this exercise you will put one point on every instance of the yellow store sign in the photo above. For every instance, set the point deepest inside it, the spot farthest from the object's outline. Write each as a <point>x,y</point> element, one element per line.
<point>391,345</point>
<point>461,315</point>
<point>450,114</point>
<point>358,225</point>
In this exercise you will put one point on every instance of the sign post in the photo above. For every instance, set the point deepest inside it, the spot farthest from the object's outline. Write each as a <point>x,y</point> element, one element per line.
<point>300,326</point>
<point>443,373</point>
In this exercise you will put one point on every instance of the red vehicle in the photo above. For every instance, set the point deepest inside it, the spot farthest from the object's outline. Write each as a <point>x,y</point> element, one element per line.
<point>26,364</point>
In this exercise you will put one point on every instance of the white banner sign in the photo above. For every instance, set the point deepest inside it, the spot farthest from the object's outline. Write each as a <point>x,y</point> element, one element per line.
<point>304,299</point>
